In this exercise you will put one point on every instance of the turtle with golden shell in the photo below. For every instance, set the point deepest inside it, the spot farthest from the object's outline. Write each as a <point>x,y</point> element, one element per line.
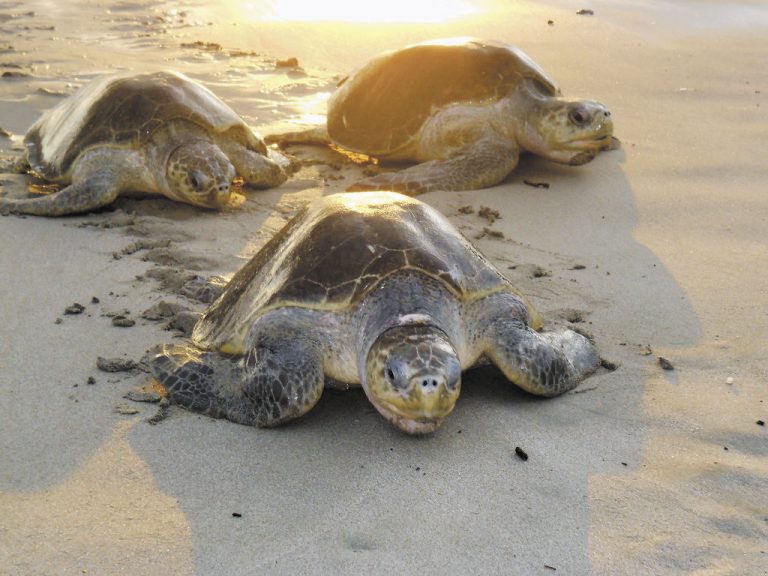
<point>374,289</point>
<point>461,109</point>
<point>155,133</point>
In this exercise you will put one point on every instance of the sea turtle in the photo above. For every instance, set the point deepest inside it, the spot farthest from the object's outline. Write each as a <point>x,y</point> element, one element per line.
<point>376,289</point>
<point>463,109</point>
<point>157,133</point>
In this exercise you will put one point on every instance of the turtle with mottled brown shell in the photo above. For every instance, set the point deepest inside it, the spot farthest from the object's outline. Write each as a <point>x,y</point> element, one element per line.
<point>374,289</point>
<point>461,109</point>
<point>157,133</point>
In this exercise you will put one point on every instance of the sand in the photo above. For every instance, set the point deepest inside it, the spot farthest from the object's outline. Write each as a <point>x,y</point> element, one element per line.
<point>659,249</point>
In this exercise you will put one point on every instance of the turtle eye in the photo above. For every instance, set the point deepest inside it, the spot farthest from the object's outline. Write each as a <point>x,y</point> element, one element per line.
<point>390,375</point>
<point>196,179</point>
<point>579,116</point>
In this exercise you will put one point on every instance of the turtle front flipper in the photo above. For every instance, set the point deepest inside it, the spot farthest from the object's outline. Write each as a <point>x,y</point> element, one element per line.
<point>267,387</point>
<point>96,191</point>
<point>545,364</point>
<point>258,170</point>
<point>483,164</point>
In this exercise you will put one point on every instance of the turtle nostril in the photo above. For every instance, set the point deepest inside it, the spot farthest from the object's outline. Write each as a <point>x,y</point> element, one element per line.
<point>424,383</point>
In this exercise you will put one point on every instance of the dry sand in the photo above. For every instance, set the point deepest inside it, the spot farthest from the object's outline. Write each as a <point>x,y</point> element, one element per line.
<point>659,249</point>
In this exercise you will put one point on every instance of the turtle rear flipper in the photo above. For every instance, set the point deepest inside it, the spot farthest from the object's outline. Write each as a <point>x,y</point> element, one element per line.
<point>484,164</point>
<point>266,387</point>
<point>204,382</point>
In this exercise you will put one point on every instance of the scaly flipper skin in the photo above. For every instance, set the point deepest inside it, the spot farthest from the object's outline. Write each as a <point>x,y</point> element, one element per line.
<point>256,169</point>
<point>280,379</point>
<point>98,190</point>
<point>483,164</point>
<point>545,364</point>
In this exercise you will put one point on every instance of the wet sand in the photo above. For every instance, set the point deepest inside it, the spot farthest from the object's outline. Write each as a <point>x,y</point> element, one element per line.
<point>657,250</point>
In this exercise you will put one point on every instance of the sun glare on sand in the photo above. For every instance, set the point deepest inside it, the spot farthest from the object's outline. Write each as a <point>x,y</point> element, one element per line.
<point>369,12</point>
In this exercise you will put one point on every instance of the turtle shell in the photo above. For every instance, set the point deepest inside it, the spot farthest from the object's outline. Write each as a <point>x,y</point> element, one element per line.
<point>125,110</point>
<point>380,107</point>
<point>338,249</point>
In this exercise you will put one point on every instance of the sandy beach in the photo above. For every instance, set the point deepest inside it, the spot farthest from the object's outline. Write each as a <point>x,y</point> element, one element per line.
<point>657,250</point>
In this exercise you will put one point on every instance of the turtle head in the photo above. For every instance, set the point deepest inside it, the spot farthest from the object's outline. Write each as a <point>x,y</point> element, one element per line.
<point>199,173</point>
<point>413,377</point>
<point>569,131</point>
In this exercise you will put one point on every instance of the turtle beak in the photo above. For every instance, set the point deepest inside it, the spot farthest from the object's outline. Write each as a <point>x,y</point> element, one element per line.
<point>220,194</point>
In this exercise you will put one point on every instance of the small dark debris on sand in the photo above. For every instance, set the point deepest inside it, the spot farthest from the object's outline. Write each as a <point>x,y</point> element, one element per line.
<point>121,312</point>
<point>162,311</point>
<point>578,267</point>
<point>608,365</point>
<point>184,321</point>
<point>490,233</point>
<point>539,272</point>
<point>193,286</point>
<point>125,409</point>
<point>585,12</point>
<point>291,62</point>
<point>73,309</point>
<point>15,74</point>
<point>520,453</point>
<point>5,133</point>
<point>237,53</point>
<point>143,395</point>
<point>536,184</point>
<point>163,409</point>
<point>760,423</point>
<point>489,214</point>
<point>171,256</point>
<point>202,289</point>
<point>665,364</point>
<point>142,244</point>
<point>548,567</point>
<point>236,515</point>
<point>91,380</point>
<point>115,364</point>
<point>95,300</point>
<point>200,45</point>
<point>116,219</point>
<point>58,321</point>
<point>574,316</point>
<point>466,209</point>
<point>123,321</point>
<point>551,22</point>
<point>645,350</point>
